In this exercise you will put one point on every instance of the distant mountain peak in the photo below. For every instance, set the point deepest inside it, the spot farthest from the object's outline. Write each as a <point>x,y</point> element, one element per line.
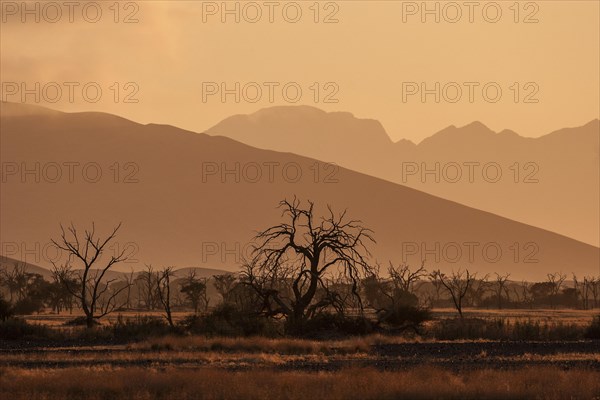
<point>476,125</point>
<point>509,132</point>
<point>303,111</point>
<point>459,136</point>
<point>273,127</point>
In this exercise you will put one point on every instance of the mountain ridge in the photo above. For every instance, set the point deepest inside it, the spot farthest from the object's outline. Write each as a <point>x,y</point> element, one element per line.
<point>550,162</point>
<point>173,210</point>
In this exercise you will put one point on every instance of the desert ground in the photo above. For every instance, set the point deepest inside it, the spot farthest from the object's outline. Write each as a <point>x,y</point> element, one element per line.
<point>363,367</point>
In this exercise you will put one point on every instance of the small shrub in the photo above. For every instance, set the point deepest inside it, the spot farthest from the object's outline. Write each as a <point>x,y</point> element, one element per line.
<point>593,331</point>
<point>80,321</point>
<point>139,328</point>
<point>407,317</point>
<point>18,329</point>
<point>6,311</point>
<point>331,325</point>
<point>227,320</point>
<point>28,306</point>
<point>527,330</point>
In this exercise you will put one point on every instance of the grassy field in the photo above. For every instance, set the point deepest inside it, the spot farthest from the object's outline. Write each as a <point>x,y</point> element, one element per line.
<point>567,316</point>
<point>352,383</point>
<point>370,367</point>
<point>580,317</point>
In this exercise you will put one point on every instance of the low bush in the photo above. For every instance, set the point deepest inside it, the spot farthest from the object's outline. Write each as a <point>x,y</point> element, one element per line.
<point>405,317</point>
<point>80,321</point>
<point>28,306</point>
<point>328,325</point>
<point>138,328</point>
<point>6,311</point>
<point>18,329</point>
<point>227,320</point>
<point>593,331</point>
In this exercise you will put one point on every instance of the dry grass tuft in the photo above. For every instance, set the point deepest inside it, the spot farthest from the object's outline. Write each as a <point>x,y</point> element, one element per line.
<point>259,344</point>
<point>420,383</point>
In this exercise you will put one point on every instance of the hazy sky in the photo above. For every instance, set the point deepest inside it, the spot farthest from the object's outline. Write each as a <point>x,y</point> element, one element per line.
<point>374,64</point>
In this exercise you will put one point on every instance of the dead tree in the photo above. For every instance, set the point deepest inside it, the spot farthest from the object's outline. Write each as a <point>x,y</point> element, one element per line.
<point>404,278</point>
<point>163,291</point>
<point>392,303</point>
<point>595,289</point>
<point>291,261</point>
<point>556,281</point>
<point>16,281</point>
<point>434,279</point>
<point>586,288</point>
<point>457,285</point>
<point>524,295</point>
<point>130,280</point>
<point>92,284</point>
<point>65,298</point>
<point>195,291</point>
<point>500,288</point>
<point>224,283</point>
<point>477,291</point>
<point>147,288</point>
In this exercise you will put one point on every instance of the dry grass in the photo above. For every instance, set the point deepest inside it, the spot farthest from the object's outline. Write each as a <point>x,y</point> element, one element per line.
<point>419,383</point>
<point>101,358</point>
<point>565,316</point>
<point>581,317</point>
<point>266,345</point>
<point>58,320</point>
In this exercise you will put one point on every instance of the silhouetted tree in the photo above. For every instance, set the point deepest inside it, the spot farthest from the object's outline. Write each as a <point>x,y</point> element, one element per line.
<point>393,300</point>
<point>457,285</point>
<point>6,310</point>
<point>542,292</point>
<point>130,281</point>
<point>555,280</point>
<point>404,278</point>
<point>92,283</point>
<point>34,295</point>
<point>66,283</point>
<point>500,288</point>
<point>223,284</point>
<point>477,291</point>
<point>434,279</point>
<point>163,290</point>
<point>291,260</point>
<point>195,291</point>
<point>147,287</point>
<point>15,281</point>
<point>594,284</point>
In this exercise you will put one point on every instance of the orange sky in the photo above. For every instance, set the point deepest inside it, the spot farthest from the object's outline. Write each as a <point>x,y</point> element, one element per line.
<point>367,55</point>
